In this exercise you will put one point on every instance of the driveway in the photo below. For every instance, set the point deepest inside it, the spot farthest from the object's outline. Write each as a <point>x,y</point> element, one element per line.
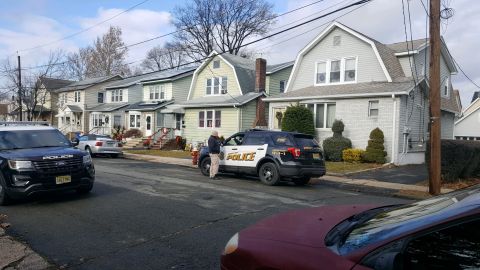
<point>144,215</point>
<point>408,174</point>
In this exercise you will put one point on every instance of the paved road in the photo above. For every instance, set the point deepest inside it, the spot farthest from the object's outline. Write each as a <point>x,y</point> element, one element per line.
<point>408,174</point>
<point>151,216</point>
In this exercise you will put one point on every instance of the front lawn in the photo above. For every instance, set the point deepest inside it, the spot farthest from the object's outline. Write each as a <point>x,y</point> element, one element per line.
<point>347,167</point>
<point>162,153</point>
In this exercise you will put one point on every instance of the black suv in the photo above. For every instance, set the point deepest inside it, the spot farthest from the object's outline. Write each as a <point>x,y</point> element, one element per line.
<point>35,158</point>
<point>272,155</point>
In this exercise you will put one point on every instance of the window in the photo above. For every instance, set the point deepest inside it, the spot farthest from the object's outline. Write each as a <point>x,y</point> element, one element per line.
<point>236,139</point>
<point>216,64</point>
<point>373,108</point>
<point>157,92</point>
<point>216,86</point>
<point>77,96</point>
<point>117,121</point>
<point>99,120</point>
<point>350,72</point>
<point>282,86</point>
<point>446,86</point>
<point>278,117</point>
<point>324,114</point>
<point>321,73</point>
<point>255,139</point>
<point>336,71</point>
<point>456,247</point>
<point>117,95</point>
<point>63,98</point>
<point>134,120</point>
<point>209,119</point>
<point>337,40</point>
<point>100,97</point>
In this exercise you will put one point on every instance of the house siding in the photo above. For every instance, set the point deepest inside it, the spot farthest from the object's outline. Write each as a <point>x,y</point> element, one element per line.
<point>272,84</point>
<point>180,88</point>
<point>469,126</point>
<point>447,125</point>
<point>194,134</point>
<point>248,115</point>
<point>200,82</point>
<point>368,66</point>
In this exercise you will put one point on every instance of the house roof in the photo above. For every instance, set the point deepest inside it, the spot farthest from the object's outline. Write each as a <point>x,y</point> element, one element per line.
<point>221,101</point>
<point>107,107</point>
<point>74,108</point>
<point>81,85</point>
<point>274,68</point>
<point>245,69</point>
<point>399,87</point>
<point>38,108</point>
<point>400,47</point>
<point>54,84</point>
<point>147,106</point>
<point>170,74</point>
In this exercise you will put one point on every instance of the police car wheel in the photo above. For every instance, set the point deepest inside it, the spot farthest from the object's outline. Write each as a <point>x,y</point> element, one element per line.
<point>205,166</point>
<point>301,180</point>
<point>4,199</point>
<point>268,174</point>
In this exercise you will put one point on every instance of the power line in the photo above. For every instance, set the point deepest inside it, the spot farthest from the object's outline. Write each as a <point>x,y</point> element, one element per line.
<point>84,30</point>
<point>465,74</point>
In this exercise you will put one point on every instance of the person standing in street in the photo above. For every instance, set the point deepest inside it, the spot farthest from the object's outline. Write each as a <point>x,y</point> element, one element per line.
<point>214,150</point>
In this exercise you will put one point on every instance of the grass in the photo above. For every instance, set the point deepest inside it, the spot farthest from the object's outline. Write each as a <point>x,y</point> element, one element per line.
<point>347,167</point>
<point>161,153</point>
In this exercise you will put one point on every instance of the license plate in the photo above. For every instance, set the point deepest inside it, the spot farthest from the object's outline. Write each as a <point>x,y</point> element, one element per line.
<point>63,179</point>
<point>316,156</point>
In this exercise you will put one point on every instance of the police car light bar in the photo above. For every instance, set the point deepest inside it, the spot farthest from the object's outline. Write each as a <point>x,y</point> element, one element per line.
<point>24,123</point>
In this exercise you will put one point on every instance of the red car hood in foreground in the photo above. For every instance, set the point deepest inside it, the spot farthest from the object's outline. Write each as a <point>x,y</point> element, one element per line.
<point>293,240</point>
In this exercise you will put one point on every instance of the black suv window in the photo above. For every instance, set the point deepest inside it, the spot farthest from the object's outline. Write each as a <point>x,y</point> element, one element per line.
<point>24,139</point>
<point>282,140</point>
<point>457,247</point>
<point>255,139</point>
<point>305,141</point>
<point>236,139</point>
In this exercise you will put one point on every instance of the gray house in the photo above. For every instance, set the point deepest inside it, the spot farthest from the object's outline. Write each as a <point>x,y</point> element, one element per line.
<point>343,74</point>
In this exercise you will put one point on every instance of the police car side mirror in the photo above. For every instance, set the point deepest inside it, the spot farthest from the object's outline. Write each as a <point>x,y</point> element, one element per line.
<point>75,142</point>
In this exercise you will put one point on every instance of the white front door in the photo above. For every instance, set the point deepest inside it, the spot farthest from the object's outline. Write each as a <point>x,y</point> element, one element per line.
<point>148,124</point>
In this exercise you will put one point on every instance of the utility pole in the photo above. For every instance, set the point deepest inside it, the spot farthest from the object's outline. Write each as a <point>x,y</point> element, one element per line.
<point>20,89</point>
<point>435,131</point>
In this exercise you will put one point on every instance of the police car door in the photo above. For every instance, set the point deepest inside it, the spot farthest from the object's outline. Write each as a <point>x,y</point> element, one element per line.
<point>246,156</point>
<point>228,150</point>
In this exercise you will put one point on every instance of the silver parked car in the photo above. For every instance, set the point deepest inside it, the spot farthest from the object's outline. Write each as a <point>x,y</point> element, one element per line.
<point>99,144</point>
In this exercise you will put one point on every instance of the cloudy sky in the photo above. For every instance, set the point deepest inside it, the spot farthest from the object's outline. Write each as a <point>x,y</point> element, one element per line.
<point>25,24</point>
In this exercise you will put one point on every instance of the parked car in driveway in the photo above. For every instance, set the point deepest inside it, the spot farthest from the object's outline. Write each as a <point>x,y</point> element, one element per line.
<point>273,156</point>
<point>437,233</point>
<point>99,144</point>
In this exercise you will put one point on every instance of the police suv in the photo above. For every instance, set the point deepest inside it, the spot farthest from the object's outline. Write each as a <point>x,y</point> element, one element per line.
<point>36,158</point>
<point>271,155</point>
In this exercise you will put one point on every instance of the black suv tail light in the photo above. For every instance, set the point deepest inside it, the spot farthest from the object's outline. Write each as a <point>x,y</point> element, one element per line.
<point>294,151</point>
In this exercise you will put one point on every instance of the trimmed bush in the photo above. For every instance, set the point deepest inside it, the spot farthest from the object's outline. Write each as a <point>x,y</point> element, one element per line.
<point>375,151</point>
<point>133,133</point>
<point>298,119</point>
<point>460,159</point>
<point>333,146</point>
<point>352,155</point>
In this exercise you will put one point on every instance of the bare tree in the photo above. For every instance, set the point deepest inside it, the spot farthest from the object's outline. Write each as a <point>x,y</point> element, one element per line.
<point>169,56</point>
<point>104,58</point>
<point>223,24</point>
<point>34,95</point>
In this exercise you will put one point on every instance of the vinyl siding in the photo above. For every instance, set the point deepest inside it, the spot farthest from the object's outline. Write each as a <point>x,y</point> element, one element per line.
<point>208,72</point>
<point>368,66</point>
<point>414,118</point>
<point>194,134</point>
<point>91,94</point>
<point>248,115</point>
<point>181,87</point>
<point>273,81</point>
<point>470,126</point>
<point>447,125</point>
<point>135,93</point>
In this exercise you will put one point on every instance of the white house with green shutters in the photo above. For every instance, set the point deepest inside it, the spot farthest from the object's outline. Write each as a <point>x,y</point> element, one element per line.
<point>346,75</point>
<point>223,95</point>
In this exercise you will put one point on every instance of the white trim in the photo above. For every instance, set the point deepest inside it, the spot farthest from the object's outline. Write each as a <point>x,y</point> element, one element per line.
<point>394,129</point>
<point>467,115</point>
<point>210,57</point>
<point>406,53</point>
<point>336,96</point>
<point>314,42</point>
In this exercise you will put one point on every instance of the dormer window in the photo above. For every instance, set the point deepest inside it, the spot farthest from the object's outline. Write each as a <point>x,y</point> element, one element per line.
<point>216,86</point>
<point>216,64</point>
<point>446,88</point>
<point>336,71</point>
<point>77,96</point>
<point>157,92</point>
<point>117,95</point>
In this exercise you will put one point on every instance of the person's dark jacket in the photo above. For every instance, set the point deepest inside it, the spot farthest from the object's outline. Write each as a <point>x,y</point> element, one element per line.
<point>213,145</point>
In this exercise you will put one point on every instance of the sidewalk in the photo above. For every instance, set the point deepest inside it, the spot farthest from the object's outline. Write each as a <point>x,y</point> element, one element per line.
<point>15,255</point>
<point>349,181</point>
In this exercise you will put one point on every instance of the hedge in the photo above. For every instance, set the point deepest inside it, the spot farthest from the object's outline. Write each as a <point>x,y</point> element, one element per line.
<point>375,151</point>
<point>460,159</point>
<point>352,155</point>
<point>333,146</point>
<point>298,119</point>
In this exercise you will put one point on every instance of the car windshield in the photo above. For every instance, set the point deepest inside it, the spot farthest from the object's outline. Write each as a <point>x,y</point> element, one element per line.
<point>23,139</point>
<point>391,222</point>
<point>305,141</point>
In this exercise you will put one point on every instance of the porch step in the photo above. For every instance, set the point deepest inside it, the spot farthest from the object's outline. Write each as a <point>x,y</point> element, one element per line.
<point>170,144</point>
<point>134,143</point>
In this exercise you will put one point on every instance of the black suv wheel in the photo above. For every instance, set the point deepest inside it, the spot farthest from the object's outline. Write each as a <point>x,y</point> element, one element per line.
<point>268,174</point>
<point>205,166</point>
<point>4,199</point>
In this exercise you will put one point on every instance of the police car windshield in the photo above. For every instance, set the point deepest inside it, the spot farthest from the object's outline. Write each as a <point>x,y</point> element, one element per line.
<point>24,139</point>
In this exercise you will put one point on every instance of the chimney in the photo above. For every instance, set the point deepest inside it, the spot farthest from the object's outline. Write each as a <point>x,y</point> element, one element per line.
<point>260,78</point>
